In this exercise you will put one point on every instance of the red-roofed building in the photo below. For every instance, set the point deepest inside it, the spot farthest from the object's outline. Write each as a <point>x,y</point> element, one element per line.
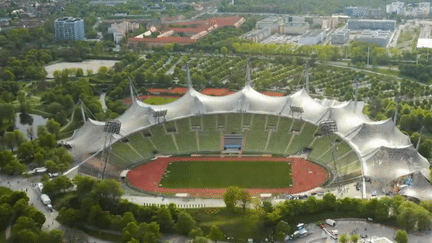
<point>178,90</point>
<point>195,30</point>
<point>156,91</point>
<point>272,93</point>
<point>162,40</point>
<point>215,92</point>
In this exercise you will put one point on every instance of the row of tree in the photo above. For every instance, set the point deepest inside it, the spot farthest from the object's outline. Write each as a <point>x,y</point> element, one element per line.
<point>26,220</point>
<point>98,203</point>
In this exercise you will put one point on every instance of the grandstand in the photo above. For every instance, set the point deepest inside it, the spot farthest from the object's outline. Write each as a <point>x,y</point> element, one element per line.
<point>197,123</point>
<point>186,139</point>
<point>209,137</point>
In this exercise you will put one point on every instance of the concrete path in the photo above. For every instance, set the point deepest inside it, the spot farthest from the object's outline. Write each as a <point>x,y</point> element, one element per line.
<point>102,101</point>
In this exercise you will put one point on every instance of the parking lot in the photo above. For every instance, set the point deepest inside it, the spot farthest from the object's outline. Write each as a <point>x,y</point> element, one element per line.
<point>363,228</point>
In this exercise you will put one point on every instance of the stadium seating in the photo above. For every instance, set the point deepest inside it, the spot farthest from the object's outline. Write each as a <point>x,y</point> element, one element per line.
<point>196,121</point>
<point>234,122</point>
<point>280,138</point>
<point>164,142</point>
<point>221,121</point>
<point>247,119</point>
<point>256,137</point>
<point>185,138</point>
<point>209,138</point>
<point>142,145</point>
<point>261,134</point>
<point>123,155</point>
<point>302,137</point>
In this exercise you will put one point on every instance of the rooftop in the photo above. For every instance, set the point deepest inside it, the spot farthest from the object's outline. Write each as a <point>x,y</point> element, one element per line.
<point>313,33</point>
<point>68,19</point>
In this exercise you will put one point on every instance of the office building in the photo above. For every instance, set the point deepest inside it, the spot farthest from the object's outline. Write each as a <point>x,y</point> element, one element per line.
<point>312,37</point>
<point>69,29</point>
<point>379,37</point>
<point>340,36</point>
<point>371,24</point>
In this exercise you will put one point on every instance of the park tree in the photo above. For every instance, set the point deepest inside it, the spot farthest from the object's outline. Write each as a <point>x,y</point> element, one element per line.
<point>107,193</point>
<point>53,236</point>
<point>196,232</point>
<point>185,223</point>
<point>84,184</point>
<point>401,236</point>
<point>215,234</point>
<point>72,235</point>
<point>99,218</point>
<point>149,233</point>
<point>329,201</point>
<point>164,219</point>
<point>245,198</point>
<point>53,126</point>
<point>62,183</point>
<point>231,196</point>
<point>69,216</point>
<point>343,238</point>
<point>129,232</point>
<point>5,215</point>
<point>127,218</point>
<point>200,239</point>
<point>282,229</point>
<point>224,50</point>
<point>354,238</point>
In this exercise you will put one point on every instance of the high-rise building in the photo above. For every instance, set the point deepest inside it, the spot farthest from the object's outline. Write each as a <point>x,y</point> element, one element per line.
<point>68,28</point>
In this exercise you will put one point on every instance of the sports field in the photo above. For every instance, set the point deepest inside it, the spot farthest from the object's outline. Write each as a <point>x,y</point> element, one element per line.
<point>222,174</point>
<point>305,175</point>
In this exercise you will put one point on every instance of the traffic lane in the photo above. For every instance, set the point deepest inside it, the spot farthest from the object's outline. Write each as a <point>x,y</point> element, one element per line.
<point>33,193</point>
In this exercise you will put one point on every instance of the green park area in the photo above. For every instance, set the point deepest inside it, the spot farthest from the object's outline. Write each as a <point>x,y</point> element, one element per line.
<point>158,100</point>
<point>222,174</point>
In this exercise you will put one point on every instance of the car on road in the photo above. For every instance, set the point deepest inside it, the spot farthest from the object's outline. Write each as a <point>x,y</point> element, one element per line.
<point>53,175</point>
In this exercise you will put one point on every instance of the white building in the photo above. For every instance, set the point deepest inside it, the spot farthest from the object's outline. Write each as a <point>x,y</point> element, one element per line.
<point>119,30</point>
<point>68,28</point>
<point>257,35</point>
<point>379,37</point>
<point>294,28</point>
<point>272,23</point>
<point>340,36</point>
<point>312,37</point>
<point>418,10</point>
<point>396,7</point>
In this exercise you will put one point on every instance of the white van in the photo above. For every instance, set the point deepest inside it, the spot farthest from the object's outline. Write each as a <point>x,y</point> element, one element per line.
<point>330,222</point>
<point>40,186</point>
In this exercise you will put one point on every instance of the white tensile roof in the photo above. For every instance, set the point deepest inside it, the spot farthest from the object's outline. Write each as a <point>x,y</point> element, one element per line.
<point>385,152</point>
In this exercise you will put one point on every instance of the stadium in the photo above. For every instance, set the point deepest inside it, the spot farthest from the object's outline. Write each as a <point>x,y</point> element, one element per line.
<point>189,146</point>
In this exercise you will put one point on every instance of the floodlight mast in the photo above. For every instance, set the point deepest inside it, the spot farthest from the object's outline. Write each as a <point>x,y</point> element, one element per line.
<point>329,127</point>
<point>356,92</point>
<point>297,110</point>
<point>188,77</point>
<point>110,128</point>
<point>131,90</point>
<point>248,73</point>
<point>307,77</point>
<point>81,104</point>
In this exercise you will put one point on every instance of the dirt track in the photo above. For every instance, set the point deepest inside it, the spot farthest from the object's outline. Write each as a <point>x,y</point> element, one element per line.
<point>306,176</point>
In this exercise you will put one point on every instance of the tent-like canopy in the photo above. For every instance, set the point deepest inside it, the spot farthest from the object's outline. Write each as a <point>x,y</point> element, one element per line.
<point>383,150</point>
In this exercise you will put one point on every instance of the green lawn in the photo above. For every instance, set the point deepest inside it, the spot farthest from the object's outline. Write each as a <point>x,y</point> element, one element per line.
<point>158,100</point>
<point>222,174</point>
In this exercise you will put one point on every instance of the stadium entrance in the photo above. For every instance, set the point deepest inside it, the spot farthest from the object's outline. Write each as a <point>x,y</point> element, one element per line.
<point>233,143</point>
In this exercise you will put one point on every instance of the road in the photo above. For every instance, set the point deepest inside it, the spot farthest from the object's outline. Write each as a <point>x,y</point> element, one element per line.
<point>21,184</point>
<point>102,101</point>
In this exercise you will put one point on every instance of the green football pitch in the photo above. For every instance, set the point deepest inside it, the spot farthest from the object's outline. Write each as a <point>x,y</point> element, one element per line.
<point>222,174</point>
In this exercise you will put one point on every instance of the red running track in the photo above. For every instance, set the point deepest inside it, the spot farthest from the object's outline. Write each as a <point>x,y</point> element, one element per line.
<point>306,176</point>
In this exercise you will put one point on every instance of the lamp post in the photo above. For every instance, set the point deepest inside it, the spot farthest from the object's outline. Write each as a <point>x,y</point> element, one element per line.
<point>110,128</point>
